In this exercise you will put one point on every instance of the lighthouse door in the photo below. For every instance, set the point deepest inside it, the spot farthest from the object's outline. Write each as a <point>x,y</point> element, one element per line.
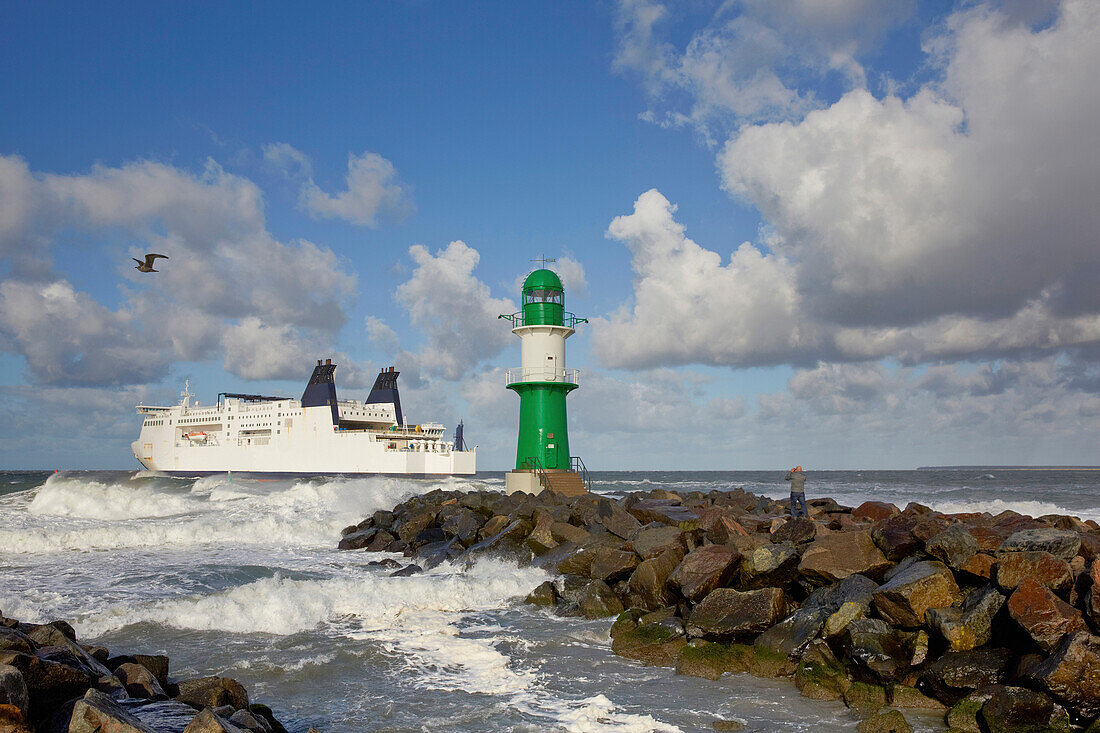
<point>551,368</point>
<point>551,455</point>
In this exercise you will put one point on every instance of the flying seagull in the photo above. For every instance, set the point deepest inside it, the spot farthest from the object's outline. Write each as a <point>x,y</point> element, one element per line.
<point>147,265</point>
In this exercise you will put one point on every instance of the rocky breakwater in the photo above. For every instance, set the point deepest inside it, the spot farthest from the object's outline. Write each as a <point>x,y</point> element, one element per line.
<point>51,683</point>
<point>991,619</point>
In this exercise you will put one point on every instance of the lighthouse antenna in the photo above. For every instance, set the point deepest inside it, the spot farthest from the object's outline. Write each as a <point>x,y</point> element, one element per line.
<point>543,260</point>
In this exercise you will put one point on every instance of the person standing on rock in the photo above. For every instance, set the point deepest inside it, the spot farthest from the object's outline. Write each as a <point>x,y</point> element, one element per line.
<point>798,492</point>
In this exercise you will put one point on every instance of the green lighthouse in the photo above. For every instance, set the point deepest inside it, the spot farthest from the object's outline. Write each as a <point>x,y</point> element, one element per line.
<point>542,382</point>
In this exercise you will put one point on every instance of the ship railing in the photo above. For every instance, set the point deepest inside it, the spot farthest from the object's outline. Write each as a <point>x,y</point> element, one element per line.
<point>542,374</point>
<point>517,319</point>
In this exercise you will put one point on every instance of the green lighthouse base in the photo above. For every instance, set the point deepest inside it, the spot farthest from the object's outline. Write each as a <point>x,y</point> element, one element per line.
<point>565,483</point>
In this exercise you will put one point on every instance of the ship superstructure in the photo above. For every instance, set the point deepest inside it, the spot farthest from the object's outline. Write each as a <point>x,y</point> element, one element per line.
<point>318,434</point>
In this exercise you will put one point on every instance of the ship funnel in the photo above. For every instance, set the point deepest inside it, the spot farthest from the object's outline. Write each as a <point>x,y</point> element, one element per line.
<point>385,391</point>
<point>321,389</point>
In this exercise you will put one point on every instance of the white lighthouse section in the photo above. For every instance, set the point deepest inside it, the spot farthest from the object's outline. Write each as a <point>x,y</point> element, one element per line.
<point>542,355</point>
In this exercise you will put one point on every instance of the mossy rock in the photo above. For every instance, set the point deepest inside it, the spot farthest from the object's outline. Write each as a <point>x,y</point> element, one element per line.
<point>886,720</point>
<point>769,663</point>
<point>904,696</point>
<point>626,620</point>
<point>819,681</point>
<point>864,698</point>
<point>963,717</point>
<point>655,645</point>
<point>710,660</point>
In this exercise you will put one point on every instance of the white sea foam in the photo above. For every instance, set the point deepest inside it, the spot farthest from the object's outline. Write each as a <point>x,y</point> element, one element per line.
<point>996,506</point>
<point>66,496</point>
<point>598,714</point>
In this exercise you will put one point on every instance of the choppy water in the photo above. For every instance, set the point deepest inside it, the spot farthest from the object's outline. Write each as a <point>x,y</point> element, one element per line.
<point>241,578</point>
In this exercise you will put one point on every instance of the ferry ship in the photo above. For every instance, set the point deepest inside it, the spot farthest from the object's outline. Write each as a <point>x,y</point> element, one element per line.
<point>318,434</point>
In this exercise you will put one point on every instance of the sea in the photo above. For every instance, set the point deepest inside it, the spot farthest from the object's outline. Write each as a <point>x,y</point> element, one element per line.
<point>242,578</point>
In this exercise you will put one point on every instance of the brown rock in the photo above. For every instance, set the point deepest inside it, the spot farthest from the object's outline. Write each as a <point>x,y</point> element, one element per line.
<point>988,539</point>
<point>139,681</point>
<point>207,722</point>
<point>655,644</point>
<point>704,569</point>
<point>953,546</point>
<point>612,565</point>
<point>565,532</point>
<point>652,540</point>
<point>834,557</point>
<point>894,536</point>
<point>212,692</point>
<point>1043,615</point>
<point>727,614</point>
<point>12,720</point>
<point>541,540</point>
<point>648,582</point>
<point>99,713</point>
<point>1072,673</point>
<point>770,565</point>
<point>923,585</point>
<point>725,530</point>
<point>956,674</point>
<point>599,601</point>
<point>797,530</point>
<point>1016,709</point>
<point>1051,571</point>
<point>979,567</point>
<point>887,720</point>
<point>664,511</point>
<point>617,520</point>
<point>874,511</point>
<point>49,683</point>
<point>13,690</point>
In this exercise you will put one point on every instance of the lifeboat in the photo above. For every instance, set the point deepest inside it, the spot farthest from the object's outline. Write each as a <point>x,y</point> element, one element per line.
<point>197,437</point>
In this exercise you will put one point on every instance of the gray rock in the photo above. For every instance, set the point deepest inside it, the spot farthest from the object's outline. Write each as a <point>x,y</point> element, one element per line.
<point>648,583</point>
<point>953,546</point>
<point>956,674</point>
<point>773,565</point>
<point>166,716</point>
<point>792,635</point>
<point>727,614</point>
<point>617,520</point>
<point>246,720</point>
<point>16,641</point>
<point>1016,709</point>
<point>98,713</point>
<point>1072,674</point>
<point>139,681</point>
<point>1060,543</point>
<point>798,530</point>
<point>653,540</point>
<point>904,598</point>
<point>971,625</point>
<point>599,601</point>
<point>13,689</point>
<point>883,652</point>
<point>208,722</point>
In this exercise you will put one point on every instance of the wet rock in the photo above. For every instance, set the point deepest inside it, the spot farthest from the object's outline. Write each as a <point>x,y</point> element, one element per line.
<point>163,715</point>
<point>155,663</point>
<point>770,564</point>
<point>1072,674</point>
<point>565,532</point>
<point>578,562</point>
<point>493,527</point>
<point>1091,604</point>
<point>1018,709</point>
<point>894,537</point>
<point>612,565</point>
<point>264,712</point>
<point>727,614</point>
<point>1060,543</point>
<point>357,539</point>
<point>648,583</point>
<point>599,601</point>
<point>458,521</point>
<point>887,720</point>
<point>409,528</point>
<point>49,683</point>
<point>904,696</point>
<point>16,641</point>
<point>387,562</point>
<point>540,541</point>
<point>704,569</point>
<point>543,595</point>
<point>710,660</point>
<point>1044,616</point>
<point>884,653</point>
<point>13,689</point>
<point>798,530</point>
<point>865,698</point>
<point>727,724</point>
<point>792,635</point>
<point>874,511</point>
<point>838,621</point>
<point>1051,571</point>
<point>953,546</point>
<point>903,599</point>
<point>820,675</point>
<point>963,715</point>
<point>652,540</point>
<point>98,713</point>
<point>12,720</point>
<point>834,557</point>
<point>626,621</point>
<point>971,625</point>
<point>208,722</point>
<point>617,520</point>
<point>212,692</point>
<point>725,530</point>
<point>246,720</point>
<point>957,674</point>
<point>139,681</point>
<point>664,511</point>
<point>655,644</point>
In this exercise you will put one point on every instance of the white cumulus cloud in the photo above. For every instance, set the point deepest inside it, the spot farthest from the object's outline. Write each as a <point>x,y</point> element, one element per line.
<point>373,190</point>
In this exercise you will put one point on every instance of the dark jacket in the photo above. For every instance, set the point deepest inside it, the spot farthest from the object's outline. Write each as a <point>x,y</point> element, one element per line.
<point>798,481</point>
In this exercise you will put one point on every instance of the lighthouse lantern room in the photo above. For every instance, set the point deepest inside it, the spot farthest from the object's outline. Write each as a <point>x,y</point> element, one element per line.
<point>543,460</point>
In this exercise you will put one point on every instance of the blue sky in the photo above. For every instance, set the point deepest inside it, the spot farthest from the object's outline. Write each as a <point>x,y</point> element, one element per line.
<point>843,236</point>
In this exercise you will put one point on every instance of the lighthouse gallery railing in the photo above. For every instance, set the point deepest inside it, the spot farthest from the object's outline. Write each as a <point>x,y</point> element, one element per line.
<point>542,374</point>
<point>517,320</point>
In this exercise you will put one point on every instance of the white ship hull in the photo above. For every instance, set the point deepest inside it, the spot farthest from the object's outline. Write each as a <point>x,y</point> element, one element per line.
<point>261,435</point>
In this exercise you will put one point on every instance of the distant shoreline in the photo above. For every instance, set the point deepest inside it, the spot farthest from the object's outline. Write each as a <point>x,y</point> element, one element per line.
<point>1008,468</point>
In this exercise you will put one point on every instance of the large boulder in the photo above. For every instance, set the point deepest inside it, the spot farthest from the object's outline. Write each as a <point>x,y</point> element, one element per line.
<point>654,539</point>
<point>209,722</point>
<point>704,569</point>
<point>903,599</point>
<point>710,660</point>
<point>13,689</point>
<point>139,681</point>
<point>887,720</point>
<point>49,683</point>
<point>770,564</point>
<point>212,692</point>
<point>656,644</point>
<point>1060,543</point>
<point>834,557</point>
<point>884,653</point>
<point>894,536</point>
<point>956,674</point>
<point>727,614</point>
<point>541,541</point>
<point>1072,673</point>
<point>97,712</point>
<point>874,511</point>
<point>617,520</point>
<point>1018,709</point>
<point>798,530</point>
<point>597,600</point>
<point>565,532</point>
<point>790,637</point>
<point>648,583</point>
<point>16,641</point>
<point>664,511</point>
<point>1044,616</point>
<point>971,625</point>
<point>612,565</point>
<point>1051,571</point>
<point>953,546</point>
<point>820,675</point>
